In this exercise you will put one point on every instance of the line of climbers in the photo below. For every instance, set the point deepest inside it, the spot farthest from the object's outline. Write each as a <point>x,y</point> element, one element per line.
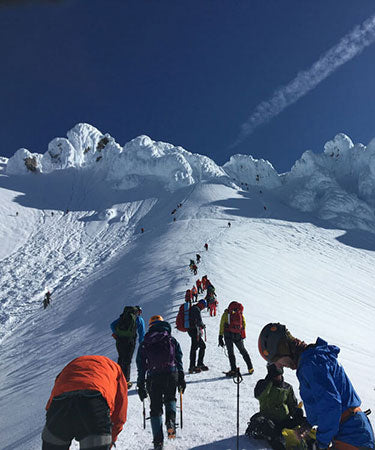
<point>179,205</point>
<point>89,399</point>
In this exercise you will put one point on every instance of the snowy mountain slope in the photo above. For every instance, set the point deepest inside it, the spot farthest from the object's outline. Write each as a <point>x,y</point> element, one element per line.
<point>281,263</point>
<point>275,267</point>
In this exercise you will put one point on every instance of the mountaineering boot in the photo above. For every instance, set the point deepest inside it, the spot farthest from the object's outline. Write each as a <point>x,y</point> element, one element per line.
<point>203,367</point>
<point>194,369</point>
<point>231,373</point>
<point>170,418</point>
<point>158,446</point>
<point>130,384</point>
<point>171,433</point>
<point>251,371</point>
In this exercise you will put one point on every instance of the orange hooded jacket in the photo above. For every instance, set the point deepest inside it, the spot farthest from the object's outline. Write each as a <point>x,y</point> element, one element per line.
<point>97,373</point>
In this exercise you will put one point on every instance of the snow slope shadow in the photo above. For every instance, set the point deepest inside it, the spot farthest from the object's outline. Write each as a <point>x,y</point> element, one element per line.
<point>269,206</point>
<point>73,189</point>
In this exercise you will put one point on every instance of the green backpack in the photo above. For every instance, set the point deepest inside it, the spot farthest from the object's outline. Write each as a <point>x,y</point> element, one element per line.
<point>127,326</point>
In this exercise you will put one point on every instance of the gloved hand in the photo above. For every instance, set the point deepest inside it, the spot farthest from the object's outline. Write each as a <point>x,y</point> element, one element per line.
<point>142,391</point>
<point>181,383</point>
<point>221,341</point>
<point>298,416</point>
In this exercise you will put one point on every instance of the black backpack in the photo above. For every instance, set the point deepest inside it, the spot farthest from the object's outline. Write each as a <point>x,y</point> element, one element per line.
<point>127,326</point>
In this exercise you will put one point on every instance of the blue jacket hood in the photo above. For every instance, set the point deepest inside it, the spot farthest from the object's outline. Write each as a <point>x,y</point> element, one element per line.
<point>320,349</point>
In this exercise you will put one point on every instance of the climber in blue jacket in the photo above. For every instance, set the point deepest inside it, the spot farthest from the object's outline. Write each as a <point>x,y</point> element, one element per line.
<point>329,398</point>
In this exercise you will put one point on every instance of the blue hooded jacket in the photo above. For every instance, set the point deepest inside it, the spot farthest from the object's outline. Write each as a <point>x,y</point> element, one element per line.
<point>327,392</point>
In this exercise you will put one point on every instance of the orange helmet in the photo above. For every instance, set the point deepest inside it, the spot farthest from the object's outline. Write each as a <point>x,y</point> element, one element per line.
<point>155,319</point>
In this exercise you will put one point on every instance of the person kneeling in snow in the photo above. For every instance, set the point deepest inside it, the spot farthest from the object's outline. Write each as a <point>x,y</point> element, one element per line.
<point>278,410</point>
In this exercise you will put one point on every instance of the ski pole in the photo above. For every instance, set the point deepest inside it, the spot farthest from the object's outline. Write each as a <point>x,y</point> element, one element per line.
<point>181,423</point>
<point>237,380</point>
<point>144,415</point>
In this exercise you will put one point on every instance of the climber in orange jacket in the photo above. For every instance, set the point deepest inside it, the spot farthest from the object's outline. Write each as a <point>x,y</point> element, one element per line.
<point>88,403</point>
<point>194,293</point>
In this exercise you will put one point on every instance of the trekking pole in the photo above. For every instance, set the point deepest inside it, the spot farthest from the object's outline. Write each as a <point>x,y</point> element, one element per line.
<point>181,422</point>
<point>237,380</point>
<point>144,415</point>
<point>205,335</point>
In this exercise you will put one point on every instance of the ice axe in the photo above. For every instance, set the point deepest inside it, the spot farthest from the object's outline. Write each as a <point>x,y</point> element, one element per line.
<point>237,379</point>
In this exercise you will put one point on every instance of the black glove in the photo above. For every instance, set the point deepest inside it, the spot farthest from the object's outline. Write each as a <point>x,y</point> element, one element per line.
<point>221,341</point>
<point>142,391</point>
<point>297,416</point>
<point>181,383</point>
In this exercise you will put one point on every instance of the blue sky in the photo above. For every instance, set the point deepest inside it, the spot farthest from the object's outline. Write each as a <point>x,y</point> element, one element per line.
<point>185,72</point>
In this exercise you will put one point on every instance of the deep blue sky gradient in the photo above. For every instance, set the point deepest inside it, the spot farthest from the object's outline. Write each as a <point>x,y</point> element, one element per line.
<point>184,72</point>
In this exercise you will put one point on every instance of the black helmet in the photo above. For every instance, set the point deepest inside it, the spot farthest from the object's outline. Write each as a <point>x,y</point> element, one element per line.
<point>270,338</point>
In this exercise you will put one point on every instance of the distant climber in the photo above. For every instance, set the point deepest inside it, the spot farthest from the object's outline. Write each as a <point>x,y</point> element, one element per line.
<point>188,296</point>
<point>199,286</point>
<point>194,293</point>
<point>232,332</point>
<point>142,230</point>
<point>174,211</point>
<point>198,257</point>
<point>229,224</point>
<point>196,327</point>
<point>125,330</point>
<point>47,299</point>
<point>206,246</point>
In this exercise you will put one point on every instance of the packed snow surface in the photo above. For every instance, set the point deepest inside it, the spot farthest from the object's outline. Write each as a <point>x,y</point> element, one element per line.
<point>301,251</point>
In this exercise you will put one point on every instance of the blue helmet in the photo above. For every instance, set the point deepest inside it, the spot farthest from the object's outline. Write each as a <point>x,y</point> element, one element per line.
<point>202,303</point>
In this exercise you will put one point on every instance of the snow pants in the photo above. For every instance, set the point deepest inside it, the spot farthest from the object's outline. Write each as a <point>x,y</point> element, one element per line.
<point>81,415</point>
<point>212,307</point>
<point>196,343</point>
<point>235,339</point>
<point>162,390</point>
<point>125,348</point>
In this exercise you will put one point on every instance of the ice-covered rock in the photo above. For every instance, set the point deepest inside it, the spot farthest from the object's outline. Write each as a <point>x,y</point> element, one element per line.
<point>247,171</point>
<point>23,162</point>
<point>337,184</point>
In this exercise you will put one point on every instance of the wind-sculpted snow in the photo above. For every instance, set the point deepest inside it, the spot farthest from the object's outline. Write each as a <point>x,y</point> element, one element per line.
<point>336,185</point>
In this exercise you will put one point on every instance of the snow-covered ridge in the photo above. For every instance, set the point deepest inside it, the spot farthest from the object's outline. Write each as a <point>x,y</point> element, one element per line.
<point>338,184</point>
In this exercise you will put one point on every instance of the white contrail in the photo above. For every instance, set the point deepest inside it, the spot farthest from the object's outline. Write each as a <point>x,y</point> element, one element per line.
<point>349,46</point>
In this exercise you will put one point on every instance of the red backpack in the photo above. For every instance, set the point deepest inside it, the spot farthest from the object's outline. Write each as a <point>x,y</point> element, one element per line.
<point>183,319</point>
<point>235,319</point>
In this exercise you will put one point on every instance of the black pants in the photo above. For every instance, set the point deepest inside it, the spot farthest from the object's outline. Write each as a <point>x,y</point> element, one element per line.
<point>125,348</point>
<point>80,415</point>
<point>235,338</point>
<point>162,390</point>
<point>196,342</point>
